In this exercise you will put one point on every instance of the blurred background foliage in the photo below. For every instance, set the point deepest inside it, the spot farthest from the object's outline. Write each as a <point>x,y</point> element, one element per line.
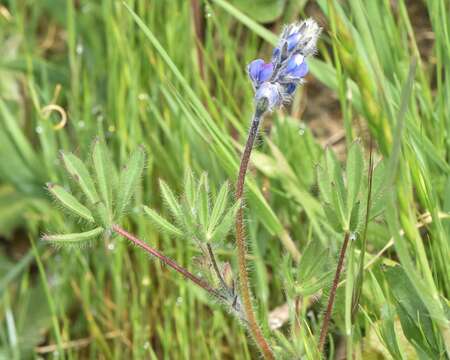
<point>176,83</point>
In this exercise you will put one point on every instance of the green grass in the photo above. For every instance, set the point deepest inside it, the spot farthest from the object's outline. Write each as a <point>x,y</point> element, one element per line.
<point>135,80</point>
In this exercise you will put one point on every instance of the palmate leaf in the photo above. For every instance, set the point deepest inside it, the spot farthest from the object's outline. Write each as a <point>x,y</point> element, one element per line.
<point>69,202</point>
<point>162,223</point>
<point>189,188</point>
<point>129,180</point>
<point>81,176</point>
<point>103,172</point>
<point>74,238</point>
<point>203,200</point>
<point>171,201</point>
<point>312,272</point>
<point>220,205</point>
<point>415,319</point>
<point>226,223</point>
<point>198,215</point>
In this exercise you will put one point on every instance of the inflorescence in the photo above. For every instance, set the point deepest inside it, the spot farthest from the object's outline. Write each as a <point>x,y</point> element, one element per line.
<point>275,82</point>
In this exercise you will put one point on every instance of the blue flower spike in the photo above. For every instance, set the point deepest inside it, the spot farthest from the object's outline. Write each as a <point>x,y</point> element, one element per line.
<point>275,82</point>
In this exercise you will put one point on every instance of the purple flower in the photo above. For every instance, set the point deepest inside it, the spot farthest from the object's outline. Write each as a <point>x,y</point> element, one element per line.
<point>276,82</point>
<point>296,67</point>
<point>259,72</point>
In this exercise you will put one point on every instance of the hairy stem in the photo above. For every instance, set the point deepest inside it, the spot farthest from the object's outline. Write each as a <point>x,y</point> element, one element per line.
<point>244,282</point>
<point>167,261</point>
<point>340,265</point>
<point>215,266</point>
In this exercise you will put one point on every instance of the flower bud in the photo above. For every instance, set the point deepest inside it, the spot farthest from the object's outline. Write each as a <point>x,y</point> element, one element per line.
<point>267,97</point>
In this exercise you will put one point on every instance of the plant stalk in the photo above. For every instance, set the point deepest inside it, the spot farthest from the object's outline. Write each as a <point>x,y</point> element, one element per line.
<point>167,261</point>
<point>244,282</point>
<point>340,266</point>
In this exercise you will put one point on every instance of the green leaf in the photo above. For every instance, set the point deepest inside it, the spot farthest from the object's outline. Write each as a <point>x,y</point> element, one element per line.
<point>189,188</point>
<point>338,198</point>
<point>314,258</point>
<point>333,218</point>
<point>162,223</point>
<point>80,174</point>
<point>354,169</point>
<point>129,180</point>
<point>219,208</point>
<point>379,189</point>
<point>415,319</point>
<point>171,201</point>
<point>313,273</point>
<point>355,217</point>
<point>102,166</point>
<point>225,225</point>
<point>203,200</point>
<point>70,202</point>
<point>102,215</point>
<point>324,183</point>
<point>74,238</point>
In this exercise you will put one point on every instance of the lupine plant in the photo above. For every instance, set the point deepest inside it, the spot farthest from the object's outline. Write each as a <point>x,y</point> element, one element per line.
<point>274,84</point>
<point>197,217</point>
<point>102,195</point>
<point>170,75</point>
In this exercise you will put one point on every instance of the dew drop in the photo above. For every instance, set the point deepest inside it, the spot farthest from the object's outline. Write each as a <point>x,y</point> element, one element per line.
<point>353,236</point>
<point>81,124</point>
<point>79,49</point>
<point>111,246</point>
<point>301,130</point>
<point>179,301</point>
<point>208,12</point>
<point>39,129</point>
<point>146,345</point>
<point>143,96</point>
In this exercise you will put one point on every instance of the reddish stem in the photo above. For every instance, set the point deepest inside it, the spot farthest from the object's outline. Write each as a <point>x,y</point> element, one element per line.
<point>169,262</point>
<point>340,265</point>
<point>244,282</point>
